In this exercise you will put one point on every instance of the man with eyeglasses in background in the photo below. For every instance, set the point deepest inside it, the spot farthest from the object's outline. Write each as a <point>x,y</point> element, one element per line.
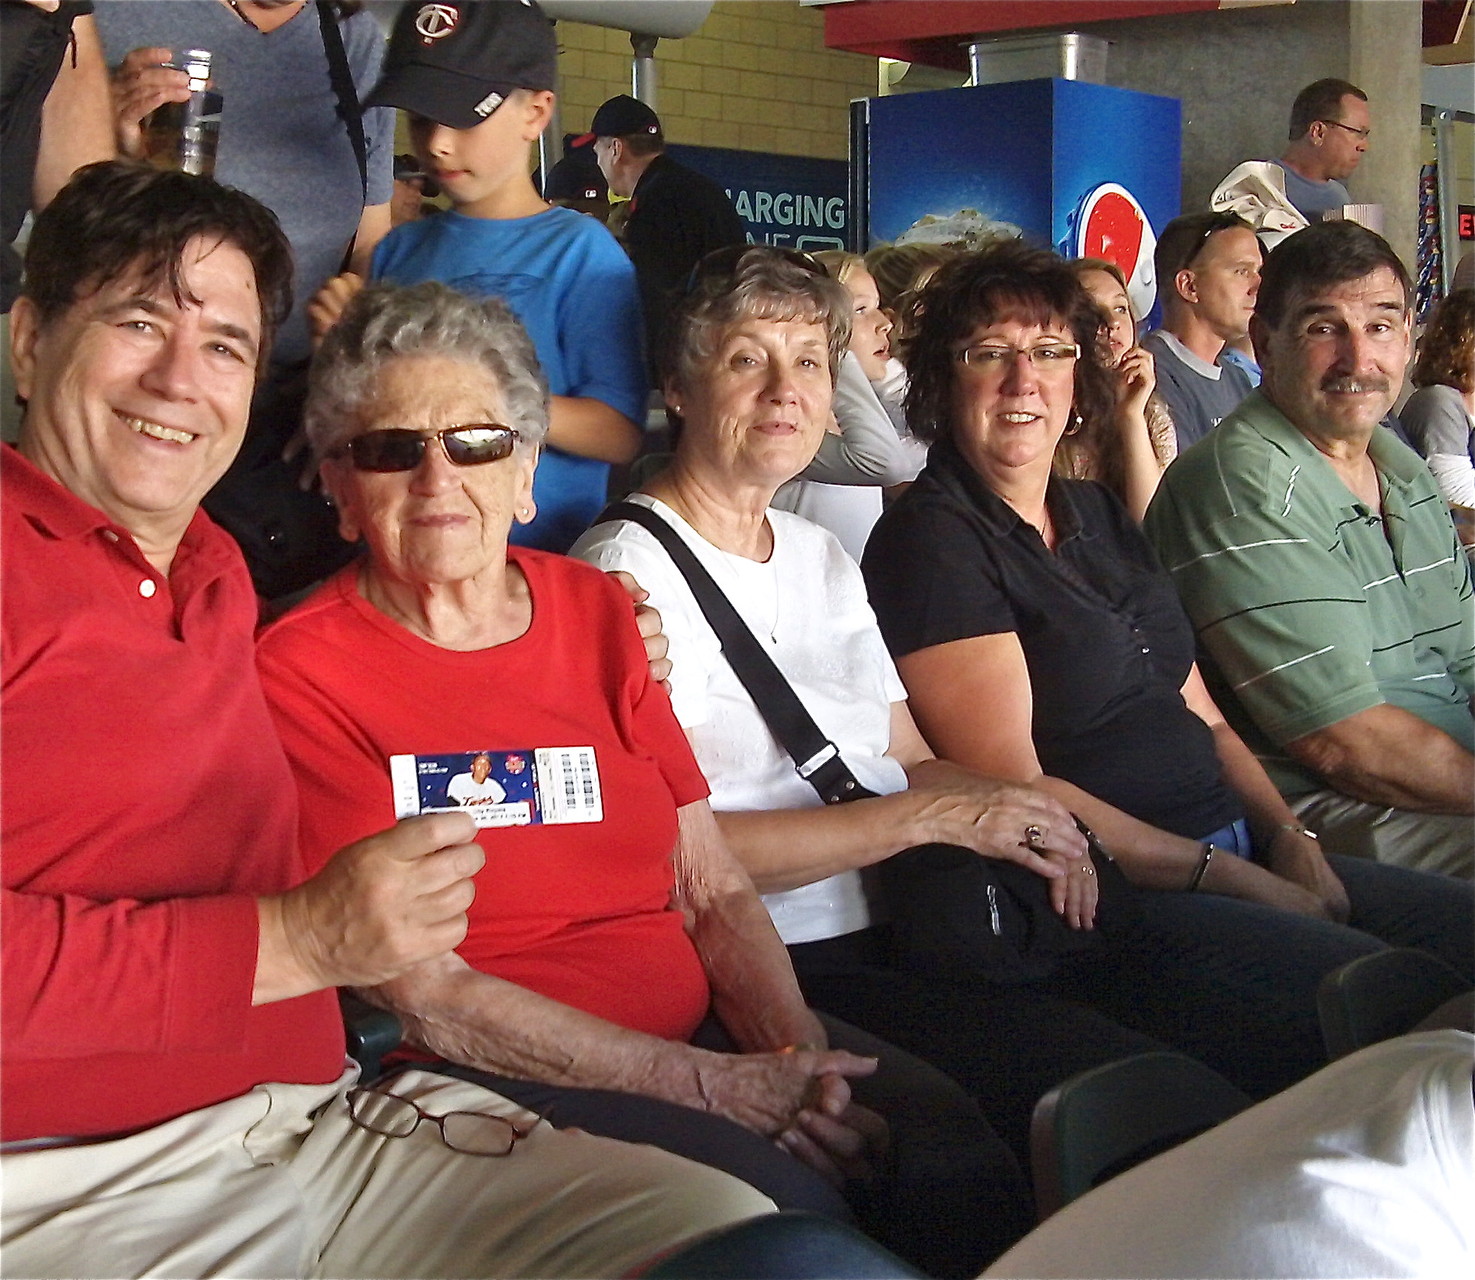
<point>1208,270</point>
<point>1331,125</point>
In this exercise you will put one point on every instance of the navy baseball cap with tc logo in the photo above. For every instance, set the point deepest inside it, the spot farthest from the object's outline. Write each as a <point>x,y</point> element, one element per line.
<point>455,63</point>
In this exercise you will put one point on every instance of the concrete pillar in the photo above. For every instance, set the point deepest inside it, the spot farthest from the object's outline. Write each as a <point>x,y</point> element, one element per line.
<point>1385,60</point>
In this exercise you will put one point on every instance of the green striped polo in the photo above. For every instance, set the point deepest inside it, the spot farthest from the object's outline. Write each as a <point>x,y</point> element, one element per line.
<point>1308,606</point>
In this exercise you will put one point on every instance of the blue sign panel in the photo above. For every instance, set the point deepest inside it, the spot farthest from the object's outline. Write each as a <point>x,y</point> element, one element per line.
<point>942,164</point>
<point>794,201</point>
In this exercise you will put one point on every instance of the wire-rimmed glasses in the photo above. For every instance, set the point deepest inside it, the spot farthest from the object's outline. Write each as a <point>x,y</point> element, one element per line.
<point>473,1133</point>
<point>1045,357</point>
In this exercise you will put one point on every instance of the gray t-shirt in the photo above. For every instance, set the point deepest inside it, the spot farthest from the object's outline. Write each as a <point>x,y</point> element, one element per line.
<point>1314,198</point>
<point>281,138</point>
<point>1198,395</point>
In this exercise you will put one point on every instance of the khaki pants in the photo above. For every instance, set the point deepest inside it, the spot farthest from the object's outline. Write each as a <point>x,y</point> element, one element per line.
<point>279,1182</point>
<point>1420,841</point>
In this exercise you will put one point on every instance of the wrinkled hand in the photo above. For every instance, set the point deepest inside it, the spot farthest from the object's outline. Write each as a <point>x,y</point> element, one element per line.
<point>648,620</point>
<point>993,818</point>
<point>1136,379</point>
<point>139,85</point>
<point>841,1143</point>
<point>766,1092</point>
<point>328,303</point>
<point>1074,894</point>
<point>1299,859</point>
<point>383,904</point>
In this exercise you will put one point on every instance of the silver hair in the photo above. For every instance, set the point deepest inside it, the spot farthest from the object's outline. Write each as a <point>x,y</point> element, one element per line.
<point>755,283</point>
<point>386,322</point>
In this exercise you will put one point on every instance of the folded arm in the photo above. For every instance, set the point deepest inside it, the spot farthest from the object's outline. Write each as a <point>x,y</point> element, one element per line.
<point>1385,755</point>
<point>943,804</point>
<point>949,682</point>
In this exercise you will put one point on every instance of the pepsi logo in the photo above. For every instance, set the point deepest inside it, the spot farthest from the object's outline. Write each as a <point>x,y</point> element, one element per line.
<point>1111,224</point>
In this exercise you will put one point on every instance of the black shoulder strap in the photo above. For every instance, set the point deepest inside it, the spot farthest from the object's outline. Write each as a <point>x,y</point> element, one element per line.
<point>341,76</point>
<point>815,757</point>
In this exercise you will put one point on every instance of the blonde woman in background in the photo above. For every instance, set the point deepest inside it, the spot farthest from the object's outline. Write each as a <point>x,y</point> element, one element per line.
<point>1128,452</point>
<point>867,446</point>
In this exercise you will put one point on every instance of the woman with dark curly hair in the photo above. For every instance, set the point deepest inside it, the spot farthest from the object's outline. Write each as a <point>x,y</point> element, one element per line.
<point>1040,641</point>
<point>1440,416</point>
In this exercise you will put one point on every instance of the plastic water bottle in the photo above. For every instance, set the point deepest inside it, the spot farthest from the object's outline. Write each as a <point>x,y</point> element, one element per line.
<point>183,135</point>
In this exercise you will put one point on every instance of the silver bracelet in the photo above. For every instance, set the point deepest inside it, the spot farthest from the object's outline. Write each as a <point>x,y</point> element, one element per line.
<point>1202,867</point>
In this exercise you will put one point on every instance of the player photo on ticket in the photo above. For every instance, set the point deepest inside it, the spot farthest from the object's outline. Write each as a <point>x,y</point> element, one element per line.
<point>543,785</point>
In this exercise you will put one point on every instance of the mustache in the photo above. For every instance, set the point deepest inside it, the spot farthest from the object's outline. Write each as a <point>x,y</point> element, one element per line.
<point>1355,386</point>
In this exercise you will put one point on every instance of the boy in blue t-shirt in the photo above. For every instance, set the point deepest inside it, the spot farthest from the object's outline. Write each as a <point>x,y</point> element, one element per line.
<point>476,79</point>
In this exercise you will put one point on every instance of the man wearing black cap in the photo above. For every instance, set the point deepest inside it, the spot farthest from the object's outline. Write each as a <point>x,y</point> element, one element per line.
<point>575,182</point>
<point>477,81</point>
<point>677,216</point>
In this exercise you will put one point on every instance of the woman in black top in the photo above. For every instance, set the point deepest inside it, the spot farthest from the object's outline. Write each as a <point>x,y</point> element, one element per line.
<point>1040,640</point>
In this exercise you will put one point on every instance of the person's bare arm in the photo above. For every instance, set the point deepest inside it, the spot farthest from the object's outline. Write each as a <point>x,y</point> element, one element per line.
<point>948,685</point>
<point>76,118</point>
<point>1291,852</point>
<point>756,996</point>
<point>378,907</point>
<point>486,1022</point>
<point>1385,755</point>
<point>754,992</point>
<point>373,226</point>
<point>786,848</point>
<point>1141,470</point>
<point>590,428</point>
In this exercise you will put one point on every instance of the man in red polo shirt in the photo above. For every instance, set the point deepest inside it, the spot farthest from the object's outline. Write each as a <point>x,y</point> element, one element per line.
<point>173,1083</point>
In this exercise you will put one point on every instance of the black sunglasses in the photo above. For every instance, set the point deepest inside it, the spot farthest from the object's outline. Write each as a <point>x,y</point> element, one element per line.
<point>400,449</point>
<point>1222,222</point>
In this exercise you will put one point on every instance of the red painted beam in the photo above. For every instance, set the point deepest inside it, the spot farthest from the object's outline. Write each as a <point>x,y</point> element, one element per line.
<point>931,31</point>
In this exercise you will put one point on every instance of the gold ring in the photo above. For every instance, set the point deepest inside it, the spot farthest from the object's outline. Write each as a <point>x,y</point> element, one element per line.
<point>1033,835</point>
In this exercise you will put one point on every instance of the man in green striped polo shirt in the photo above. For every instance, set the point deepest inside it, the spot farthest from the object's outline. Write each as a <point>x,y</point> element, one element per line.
<point>1331,599</point>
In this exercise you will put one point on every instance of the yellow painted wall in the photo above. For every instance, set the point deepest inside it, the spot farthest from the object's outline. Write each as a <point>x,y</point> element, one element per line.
<point>756,76</point>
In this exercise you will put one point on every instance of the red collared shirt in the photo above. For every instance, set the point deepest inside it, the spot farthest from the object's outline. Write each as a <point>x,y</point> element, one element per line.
<point>144,802</point>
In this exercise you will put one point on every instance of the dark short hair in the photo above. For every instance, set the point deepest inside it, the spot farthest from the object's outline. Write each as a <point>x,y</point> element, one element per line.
<point>644,144</point>
<point>1183,240</point>
<point>1325,254</point>
<point>1320,100</point>
<point>1447,349</point>
<point>1009,279</point>
<point>119,218</point>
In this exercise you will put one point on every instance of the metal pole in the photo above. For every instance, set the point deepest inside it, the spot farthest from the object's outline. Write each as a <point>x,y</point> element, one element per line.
<point>643,69</point>
<point>1449,213</point>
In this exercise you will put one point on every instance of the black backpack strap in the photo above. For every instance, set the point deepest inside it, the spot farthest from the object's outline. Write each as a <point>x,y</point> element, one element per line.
<point>816,758</point>
<point>341,76</point>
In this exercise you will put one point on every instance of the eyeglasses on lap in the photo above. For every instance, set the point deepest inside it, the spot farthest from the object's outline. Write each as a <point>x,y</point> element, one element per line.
<point>1047,357</point>
<point>473,1133</point>
<point>401,449</point>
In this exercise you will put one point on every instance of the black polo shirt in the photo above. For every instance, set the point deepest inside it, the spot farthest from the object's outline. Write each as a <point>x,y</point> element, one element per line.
<point>1105,639</point>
